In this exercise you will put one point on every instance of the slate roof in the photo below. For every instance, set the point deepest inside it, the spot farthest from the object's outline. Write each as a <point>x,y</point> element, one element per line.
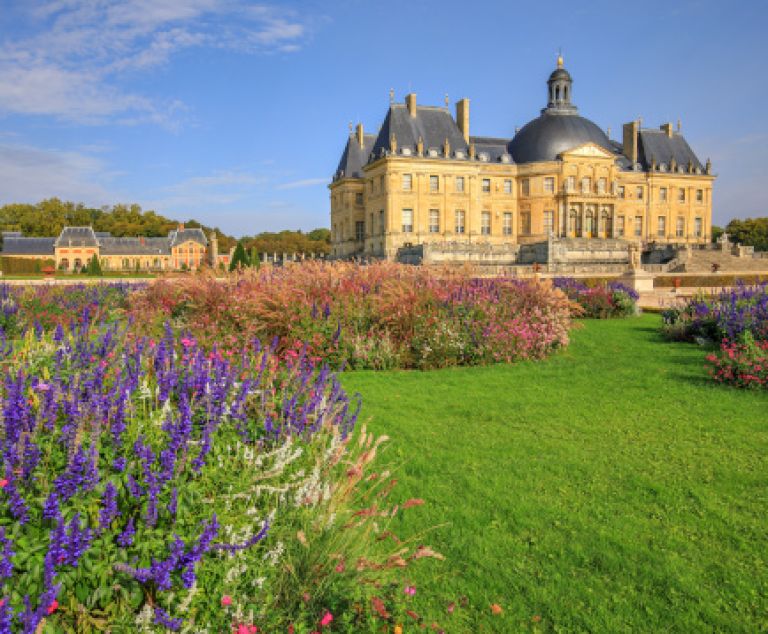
<point>550,134</point>
<point>432,124</point>
<point>77,237</point>
<point>17,245</point>
<point>354,157</point>
<point>495,148</point>
<point>656,144</point>
<point>178,236</point>
<point>135,246</point>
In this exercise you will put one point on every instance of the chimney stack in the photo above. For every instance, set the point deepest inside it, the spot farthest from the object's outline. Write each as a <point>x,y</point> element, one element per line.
<point>360,134</point>
<point>630,140</point>
<point>181,226</point>
<point>410,101</point>
<point>462,117</point>
<point>667,129</point>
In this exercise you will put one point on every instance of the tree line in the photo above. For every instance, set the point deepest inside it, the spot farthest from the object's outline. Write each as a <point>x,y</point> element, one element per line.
<point>750,232</point>
<point>48,217</point>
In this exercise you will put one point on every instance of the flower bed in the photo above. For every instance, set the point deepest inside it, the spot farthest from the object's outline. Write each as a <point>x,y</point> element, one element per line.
<point>149,485</point>
<point>601,301</point>
<point>377,316</point>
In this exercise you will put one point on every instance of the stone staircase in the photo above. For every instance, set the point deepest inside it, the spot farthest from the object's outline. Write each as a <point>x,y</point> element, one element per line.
<point>701,261</point>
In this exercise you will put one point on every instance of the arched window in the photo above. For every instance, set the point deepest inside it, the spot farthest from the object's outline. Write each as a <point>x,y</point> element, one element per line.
<point>557,93</point>
<point>565,93</point>
<point>63,264</point>
<point>572,222</point>
<point>126,263</point>
<point>589,221</point>
<point>605,222</point>
<point>78,264</point>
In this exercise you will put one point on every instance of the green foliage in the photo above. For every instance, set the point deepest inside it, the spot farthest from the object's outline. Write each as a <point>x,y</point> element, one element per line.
<point>240,258</point>
<point>93,268</point>
<point>716,232</point>
<point>750,232</point>
<point>23,266</point>
<point>316,241</point>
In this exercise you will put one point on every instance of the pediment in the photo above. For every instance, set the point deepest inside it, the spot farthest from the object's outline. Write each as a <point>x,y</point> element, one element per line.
<point>590,150</point>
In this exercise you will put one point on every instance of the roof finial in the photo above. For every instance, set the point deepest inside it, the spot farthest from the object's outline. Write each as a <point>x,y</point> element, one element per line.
<point>609,132</point>
<point>446,100</point>
<point>391,95</point>
<point>351,127</point>
<point>559,57</point>
<point>679,126</point>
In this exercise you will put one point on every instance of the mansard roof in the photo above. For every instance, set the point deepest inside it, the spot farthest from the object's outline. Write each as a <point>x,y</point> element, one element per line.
<point>355,157</point>
<point>135,246</point>
<point>656,145</point>
<point>18,245</point>
<point>179,236</point>
<point>77,237</point>
<point>433,125</point>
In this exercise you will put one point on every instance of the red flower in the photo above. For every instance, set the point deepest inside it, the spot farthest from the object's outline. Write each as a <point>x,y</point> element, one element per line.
<point>327,618</point>
<point>226,600</point>
<point>52,608</point>
<point>3,483</point>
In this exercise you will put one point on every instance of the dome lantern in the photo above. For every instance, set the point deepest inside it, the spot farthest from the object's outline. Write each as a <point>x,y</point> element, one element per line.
<point>560,85</point>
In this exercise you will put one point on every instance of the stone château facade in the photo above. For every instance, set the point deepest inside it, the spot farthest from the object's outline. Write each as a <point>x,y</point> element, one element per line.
<point>181,249</point>
<point>424,180</point>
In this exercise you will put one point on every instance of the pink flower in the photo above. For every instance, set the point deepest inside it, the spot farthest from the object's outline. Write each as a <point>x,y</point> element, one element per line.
<point>410,590</point>
<point>226,600</point>
<point>3,483</point>
<point>327,618</point>
<point>186,342</point>
<point>52,608</point>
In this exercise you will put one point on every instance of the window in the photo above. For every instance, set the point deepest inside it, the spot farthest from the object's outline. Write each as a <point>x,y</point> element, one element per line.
<point>698,229</point>
<point>485,223</point>
<point>486,185</point>
<point>586,185</point>
<point>602,184</point>
<point>620,226</point>
<point>661,226</point>
<point>407,182</point>
<point>407,220</point>
<point>358,199</point>
<point>434,183</point>
<point>638,226</point>
<point>525,187</point>
<point>680,228</point>
<point>639,192</point>
<point>525,223</point>
<point>620,191</point>
<point>549,218</point>
<point>549,184</point>
<point>663,194</point>
<point>508,186</point>
<point>507,227</point>
<point>459,183</point>
<point>360,230</point>
<point>381,183</point>
<point>434,221</point>
<point>681,195</point>
<point>699,195</point>
<point>459,221</point>
<point>571,184</point>
<point>381,221</point>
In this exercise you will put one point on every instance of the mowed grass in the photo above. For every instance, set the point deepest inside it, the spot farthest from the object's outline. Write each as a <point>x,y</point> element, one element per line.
<point>610,488</point>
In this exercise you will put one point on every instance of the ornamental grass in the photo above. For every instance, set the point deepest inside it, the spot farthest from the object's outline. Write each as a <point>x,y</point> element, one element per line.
<point>376,316</point>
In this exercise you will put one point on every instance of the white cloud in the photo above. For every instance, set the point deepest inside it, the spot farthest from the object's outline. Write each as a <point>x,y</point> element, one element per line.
<point>30,174</point>
<point>71,65</point>
<point>307,182</point>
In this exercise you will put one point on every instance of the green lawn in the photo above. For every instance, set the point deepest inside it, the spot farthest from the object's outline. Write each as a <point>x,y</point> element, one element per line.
<point>611,488</point>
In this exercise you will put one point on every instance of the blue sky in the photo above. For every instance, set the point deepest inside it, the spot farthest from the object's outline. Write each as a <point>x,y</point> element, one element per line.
<point>236,113</point>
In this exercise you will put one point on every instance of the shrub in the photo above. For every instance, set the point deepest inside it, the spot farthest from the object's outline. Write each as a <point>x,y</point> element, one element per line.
<point>599,300</point>
<point>742,364</point>
<point>375,316</point>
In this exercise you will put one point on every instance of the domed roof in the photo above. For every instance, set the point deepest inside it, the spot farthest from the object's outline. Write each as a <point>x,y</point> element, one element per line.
<point>560,73</point>
<point>550,134</point>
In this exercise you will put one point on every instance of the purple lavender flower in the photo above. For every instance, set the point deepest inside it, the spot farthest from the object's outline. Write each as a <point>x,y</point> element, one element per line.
<point>164,619</point>
<point>125,538</point>
<point>109,509</point>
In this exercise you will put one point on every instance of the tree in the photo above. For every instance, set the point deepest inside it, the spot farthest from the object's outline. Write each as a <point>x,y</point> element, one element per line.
<point>749,232</point>
<point>239,258</point>
<point>716,232</point>
<point>93,267</point>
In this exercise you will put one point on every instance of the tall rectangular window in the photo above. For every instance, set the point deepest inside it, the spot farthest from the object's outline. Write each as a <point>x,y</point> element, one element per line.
<point>663,194</point>
<point>570,184</point>
<point>586,185</point>
<point>381,183</point>
<point>486,185</point>
<point>620,191</point>
<point>359,230</point>
<point>407,220</point>
<point>525,187</point>
<point>602,184</point>
<point>680,227</point>
<point>620,226</point>
<point>459,221</point>
<point>460,184</point>
<point>434,183</point>
<point>507,227</point>
<point>661,226</point>
<point>699,195</point>
<point>698,227</point>
<point>382,228</point>
<point>358,199</point>
<point>639,192</point>
<point>434,221</point>
<point>549,221</point>
<point>681,194</point>
<point>407,182</point>
<point>507,185</point>
<point>485,223</point>
<point>525,223</point>
<point>549,184</point>
<point>638,226</point>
